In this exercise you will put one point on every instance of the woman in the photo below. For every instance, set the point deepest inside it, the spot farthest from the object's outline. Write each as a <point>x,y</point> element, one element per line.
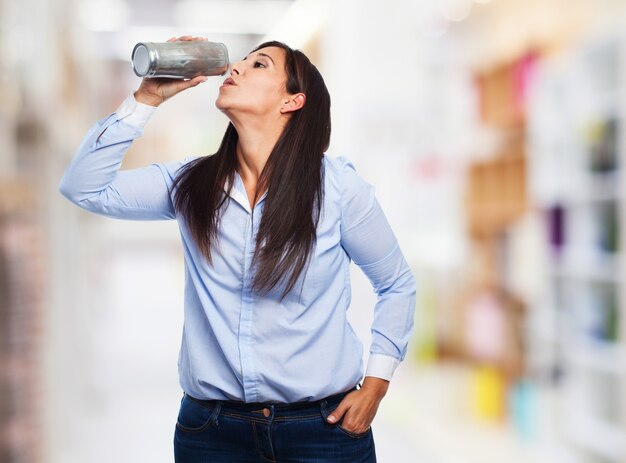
<point>270,368</point>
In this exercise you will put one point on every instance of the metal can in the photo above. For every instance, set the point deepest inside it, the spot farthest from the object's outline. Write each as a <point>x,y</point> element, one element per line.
<point>180,60</point>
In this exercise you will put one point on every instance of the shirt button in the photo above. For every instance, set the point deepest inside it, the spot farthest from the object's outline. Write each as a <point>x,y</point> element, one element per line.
<point>266,412</point>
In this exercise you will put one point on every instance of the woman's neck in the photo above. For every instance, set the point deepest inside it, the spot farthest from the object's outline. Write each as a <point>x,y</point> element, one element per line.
<point>254,146</point>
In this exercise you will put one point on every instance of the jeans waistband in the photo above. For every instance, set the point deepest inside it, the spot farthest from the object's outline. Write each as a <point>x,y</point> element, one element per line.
<point>254,406</point>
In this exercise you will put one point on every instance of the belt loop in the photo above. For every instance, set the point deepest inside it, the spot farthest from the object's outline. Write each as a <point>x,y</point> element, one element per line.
<point>323,404</point>
<point>216,412</point>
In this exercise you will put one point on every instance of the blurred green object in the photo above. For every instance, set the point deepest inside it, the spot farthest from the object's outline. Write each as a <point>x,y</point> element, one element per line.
<point>425,334</point>
<point>611,322</point>
<point>609,239</point>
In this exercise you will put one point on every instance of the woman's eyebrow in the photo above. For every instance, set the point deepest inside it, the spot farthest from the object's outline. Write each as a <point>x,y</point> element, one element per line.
<point>261,54</point>
<point>267,56</point>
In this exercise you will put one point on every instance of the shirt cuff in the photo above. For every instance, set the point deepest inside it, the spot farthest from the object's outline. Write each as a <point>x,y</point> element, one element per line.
<point>381,366</point>
<point>134,113</point>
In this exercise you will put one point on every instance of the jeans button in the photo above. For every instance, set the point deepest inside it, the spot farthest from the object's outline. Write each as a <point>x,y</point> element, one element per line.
<point>266,412</point>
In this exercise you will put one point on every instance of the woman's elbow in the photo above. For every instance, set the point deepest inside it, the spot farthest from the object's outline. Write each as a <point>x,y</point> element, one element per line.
<point>69,191</point>
<point>72,191</point>
<point>402,283</point>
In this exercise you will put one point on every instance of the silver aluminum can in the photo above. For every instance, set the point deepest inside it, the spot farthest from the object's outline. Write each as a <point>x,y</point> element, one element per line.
<point>180,60</point>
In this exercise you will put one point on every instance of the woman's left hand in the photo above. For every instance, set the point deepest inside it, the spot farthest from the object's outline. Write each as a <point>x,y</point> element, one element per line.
<point>358,408</point>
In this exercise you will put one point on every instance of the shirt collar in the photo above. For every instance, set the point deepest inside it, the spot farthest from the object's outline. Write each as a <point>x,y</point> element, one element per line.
<point>238,192</point>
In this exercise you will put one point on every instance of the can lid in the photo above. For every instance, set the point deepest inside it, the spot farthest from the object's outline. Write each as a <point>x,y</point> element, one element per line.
<point>141,60</point>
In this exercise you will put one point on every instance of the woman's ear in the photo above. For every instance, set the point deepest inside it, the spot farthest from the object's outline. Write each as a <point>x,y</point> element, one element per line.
<point>294,103</point>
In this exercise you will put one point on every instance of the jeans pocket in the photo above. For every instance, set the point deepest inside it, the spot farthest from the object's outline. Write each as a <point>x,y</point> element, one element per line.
<point>354,435</point>
<point>326,410</point>
<point>192,416</point>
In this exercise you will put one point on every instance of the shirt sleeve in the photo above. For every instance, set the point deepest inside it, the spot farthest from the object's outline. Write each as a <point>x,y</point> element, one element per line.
<point>94,182</point>
<point>369,241</point>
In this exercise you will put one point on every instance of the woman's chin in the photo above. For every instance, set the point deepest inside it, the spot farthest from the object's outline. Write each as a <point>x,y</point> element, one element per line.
<point>220,104</point>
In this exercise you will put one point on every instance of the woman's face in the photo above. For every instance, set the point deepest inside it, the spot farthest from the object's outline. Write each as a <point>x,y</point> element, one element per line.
<point>256,85</point>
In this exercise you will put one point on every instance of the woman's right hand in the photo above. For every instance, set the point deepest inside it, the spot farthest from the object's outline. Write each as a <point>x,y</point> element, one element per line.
<point>154,91</point>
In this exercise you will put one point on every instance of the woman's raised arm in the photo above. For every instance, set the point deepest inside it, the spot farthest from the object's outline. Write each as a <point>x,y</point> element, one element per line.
<point>93,180</point>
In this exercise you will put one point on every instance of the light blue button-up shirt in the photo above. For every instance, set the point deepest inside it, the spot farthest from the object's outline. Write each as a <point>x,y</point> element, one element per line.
<point>238,345</point>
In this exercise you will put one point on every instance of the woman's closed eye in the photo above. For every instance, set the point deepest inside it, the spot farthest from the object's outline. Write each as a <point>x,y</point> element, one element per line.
<point>256,63</point>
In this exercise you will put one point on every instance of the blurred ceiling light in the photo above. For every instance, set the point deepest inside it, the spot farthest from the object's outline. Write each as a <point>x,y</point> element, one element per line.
<point>230,16</point>
<point>431,23</point>
<point>455,10</point>
<point>301,22</point>
<point>103,15</point>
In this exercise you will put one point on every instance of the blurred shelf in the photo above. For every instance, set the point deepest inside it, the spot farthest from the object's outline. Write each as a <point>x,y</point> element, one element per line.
<point>599,355</point>
<point>577,147</point>
<point>605,186</point>
<point>590,265</point>
<point>604,105</point>
<point>588,190</point>
<point>593,188</point>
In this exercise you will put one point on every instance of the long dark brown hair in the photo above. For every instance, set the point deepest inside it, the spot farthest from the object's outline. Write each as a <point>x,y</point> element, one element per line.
<point>293,177</point>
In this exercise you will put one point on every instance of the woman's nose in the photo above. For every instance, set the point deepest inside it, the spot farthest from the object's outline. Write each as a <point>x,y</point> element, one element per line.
<point>234,68</point>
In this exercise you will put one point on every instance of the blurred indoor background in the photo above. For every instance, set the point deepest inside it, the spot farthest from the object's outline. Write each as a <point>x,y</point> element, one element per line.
<point>492,131</point>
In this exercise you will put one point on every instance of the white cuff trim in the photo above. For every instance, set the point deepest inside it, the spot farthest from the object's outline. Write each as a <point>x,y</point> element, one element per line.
<point>381,366</point>
<point>134,113</point>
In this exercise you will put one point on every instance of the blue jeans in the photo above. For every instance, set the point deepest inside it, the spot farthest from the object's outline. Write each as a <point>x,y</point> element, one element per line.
<point>235,432</point>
